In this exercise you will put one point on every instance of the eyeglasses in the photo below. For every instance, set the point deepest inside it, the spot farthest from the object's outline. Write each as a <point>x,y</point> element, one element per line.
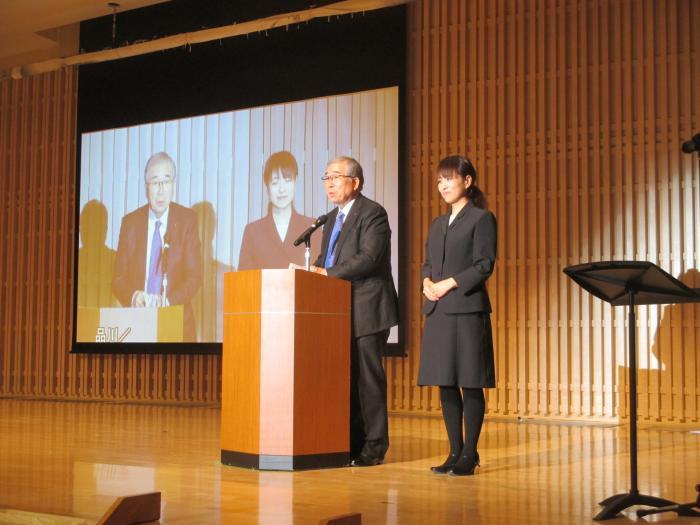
<point>160,184</point>
<point>335,178</point>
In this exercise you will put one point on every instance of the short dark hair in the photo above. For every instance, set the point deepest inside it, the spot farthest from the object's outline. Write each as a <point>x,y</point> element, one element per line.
<point>457,164</point>
<point>461,166</point>
<point>281,161</point>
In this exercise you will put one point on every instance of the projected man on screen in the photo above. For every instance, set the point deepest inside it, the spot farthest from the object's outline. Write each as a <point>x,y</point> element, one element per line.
<point>158,259</point>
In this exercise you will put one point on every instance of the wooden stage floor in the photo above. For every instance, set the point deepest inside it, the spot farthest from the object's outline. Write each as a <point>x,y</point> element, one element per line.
<point>75,458</point>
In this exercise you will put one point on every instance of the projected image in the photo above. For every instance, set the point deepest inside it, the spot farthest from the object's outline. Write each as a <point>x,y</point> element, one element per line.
<point>269,242</point>
<point>167,208</point>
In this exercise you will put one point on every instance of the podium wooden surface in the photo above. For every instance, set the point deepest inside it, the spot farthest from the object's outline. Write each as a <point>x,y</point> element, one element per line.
<point>285,370</point>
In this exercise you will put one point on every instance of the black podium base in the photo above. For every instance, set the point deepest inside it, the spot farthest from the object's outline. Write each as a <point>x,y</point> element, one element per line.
<point>288,463</point>
<point>619,502</point>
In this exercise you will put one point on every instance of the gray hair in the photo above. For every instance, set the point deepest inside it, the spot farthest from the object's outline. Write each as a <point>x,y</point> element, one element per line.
<point>353,168</point>
<point>161,156</point>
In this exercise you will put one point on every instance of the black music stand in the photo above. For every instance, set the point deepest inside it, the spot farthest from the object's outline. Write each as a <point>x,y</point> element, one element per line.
<point>631,283</point>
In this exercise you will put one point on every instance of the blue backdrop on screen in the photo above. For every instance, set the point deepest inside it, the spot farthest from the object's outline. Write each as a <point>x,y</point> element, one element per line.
<point>225,115</point>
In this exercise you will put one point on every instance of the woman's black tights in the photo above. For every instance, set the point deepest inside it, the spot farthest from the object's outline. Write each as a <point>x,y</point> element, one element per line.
<point>468,406</point>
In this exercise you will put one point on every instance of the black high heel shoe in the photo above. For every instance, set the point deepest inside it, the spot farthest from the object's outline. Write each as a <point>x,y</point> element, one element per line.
<point>465,466</point>
<point>450,462</point>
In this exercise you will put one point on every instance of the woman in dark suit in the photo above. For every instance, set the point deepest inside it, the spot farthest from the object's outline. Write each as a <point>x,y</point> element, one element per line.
<point>457,349</point>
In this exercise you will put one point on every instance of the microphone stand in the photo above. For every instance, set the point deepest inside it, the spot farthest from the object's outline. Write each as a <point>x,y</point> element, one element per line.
<point>164,295</point>
<point>305,237</point>
<point>307,252</point>
<point>164,262</point>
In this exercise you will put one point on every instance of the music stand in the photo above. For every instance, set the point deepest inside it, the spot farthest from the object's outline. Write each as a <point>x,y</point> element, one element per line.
<point>632,283</point>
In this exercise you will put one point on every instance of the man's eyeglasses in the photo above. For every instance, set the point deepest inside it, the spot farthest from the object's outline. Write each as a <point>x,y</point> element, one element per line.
<point>335,178</point>
<point>160,184</point>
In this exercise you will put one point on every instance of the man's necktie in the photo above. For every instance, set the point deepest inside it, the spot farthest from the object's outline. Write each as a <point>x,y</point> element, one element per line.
<point>330,253</point>
<point>155,272</point>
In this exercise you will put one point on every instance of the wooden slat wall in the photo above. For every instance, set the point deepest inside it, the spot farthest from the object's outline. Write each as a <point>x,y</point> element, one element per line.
<point>573,112</point>
<point>37,191</point>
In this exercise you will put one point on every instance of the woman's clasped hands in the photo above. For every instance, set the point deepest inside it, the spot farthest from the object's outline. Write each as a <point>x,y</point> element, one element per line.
<point>435,291</point>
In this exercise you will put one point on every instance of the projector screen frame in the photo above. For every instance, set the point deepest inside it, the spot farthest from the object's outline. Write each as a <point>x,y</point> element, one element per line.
<point>88,123</point>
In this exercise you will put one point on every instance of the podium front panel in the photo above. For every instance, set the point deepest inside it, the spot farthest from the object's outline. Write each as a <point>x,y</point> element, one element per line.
<point>322,339</point>
<point>286,370</point>
<point>277,364</point>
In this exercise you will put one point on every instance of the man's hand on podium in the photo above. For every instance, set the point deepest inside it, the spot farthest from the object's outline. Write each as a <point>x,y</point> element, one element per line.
<point>314,269</point>
<point>138,300</point>
<point>318,270</point>
<point>142,299</point>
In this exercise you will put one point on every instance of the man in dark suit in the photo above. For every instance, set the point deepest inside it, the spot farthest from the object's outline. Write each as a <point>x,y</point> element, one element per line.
<point>356,246</point>
<point>158,260</point>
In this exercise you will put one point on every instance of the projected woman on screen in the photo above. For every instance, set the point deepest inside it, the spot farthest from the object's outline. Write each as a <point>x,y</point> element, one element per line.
<point>268,242</point>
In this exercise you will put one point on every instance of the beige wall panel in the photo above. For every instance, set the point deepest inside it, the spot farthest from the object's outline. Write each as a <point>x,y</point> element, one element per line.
<point>573,113</point>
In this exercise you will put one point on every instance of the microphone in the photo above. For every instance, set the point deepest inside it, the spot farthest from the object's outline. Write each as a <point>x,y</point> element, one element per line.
<point>689,146</point>
<point>315,226</point>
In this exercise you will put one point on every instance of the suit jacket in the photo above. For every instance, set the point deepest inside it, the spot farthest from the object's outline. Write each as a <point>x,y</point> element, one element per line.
<point>184,263</point>
<point>262,247</point>
<point>363,257</point>
<point>466,251</point>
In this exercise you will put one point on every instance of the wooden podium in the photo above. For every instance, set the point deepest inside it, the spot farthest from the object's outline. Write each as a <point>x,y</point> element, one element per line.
<point>285,370</point>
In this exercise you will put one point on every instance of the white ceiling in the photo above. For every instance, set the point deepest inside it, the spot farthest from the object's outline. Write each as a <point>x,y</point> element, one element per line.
<point>41,29</point>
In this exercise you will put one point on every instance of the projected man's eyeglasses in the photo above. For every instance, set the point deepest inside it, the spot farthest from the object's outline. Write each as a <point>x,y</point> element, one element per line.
<point>160,184</point>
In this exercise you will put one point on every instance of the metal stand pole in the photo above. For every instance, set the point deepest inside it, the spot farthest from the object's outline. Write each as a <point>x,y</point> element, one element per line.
<point>619,502</point>
<point>632,321</point>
